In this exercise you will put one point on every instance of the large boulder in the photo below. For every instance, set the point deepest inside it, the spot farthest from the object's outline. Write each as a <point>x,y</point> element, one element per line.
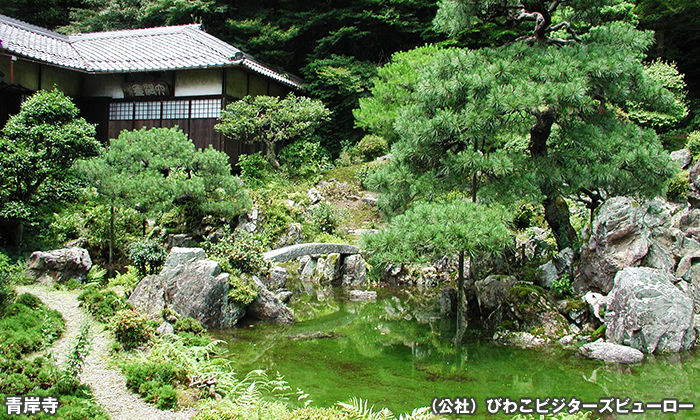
<point>492,291</point>
<point>354,271</point>
<point>646,311</point>
<point>267,307</point>
<point>59,265</point>
<point>611,352</point>
<point>559,266</point>
<point>626,233</point>
<point>191,285</point>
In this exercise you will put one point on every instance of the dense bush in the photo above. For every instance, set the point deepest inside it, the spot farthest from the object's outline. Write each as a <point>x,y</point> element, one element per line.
<point>189,325</point>
<point>131,329</point>
<point>240,253</point>
<point>372,146</point>
<point>304,159</point>
<point>102,304</point>
<point>678,186</point>
<point>255,170</point>
<point>692,143</point>
<point>127,280</point>
<point>148,256</point>
<point>241,289</point>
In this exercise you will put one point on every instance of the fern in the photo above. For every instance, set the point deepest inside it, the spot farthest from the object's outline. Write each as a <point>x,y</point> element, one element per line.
<point>358,410</point>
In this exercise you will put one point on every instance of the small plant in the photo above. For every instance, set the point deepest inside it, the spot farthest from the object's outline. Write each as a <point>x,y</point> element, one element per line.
<point>562,286</point>
<point>189,325</point>
<point>127,280</point>
<point>28,325</point>
<point>131,328</point>
<point>68,380</point>
<point>304,159</point>
<point>148,256</point>
<point>326,217</point>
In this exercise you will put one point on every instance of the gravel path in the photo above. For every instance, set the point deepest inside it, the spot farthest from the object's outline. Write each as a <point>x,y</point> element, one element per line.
<point>107,384</point>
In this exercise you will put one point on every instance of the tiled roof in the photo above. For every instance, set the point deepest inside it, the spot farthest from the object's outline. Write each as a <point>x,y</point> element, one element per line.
<point>135,50</point>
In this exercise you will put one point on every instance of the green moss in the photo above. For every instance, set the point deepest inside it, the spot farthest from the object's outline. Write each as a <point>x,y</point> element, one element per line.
<point>575,305</point>
<point>598,333</point>
<point>522,290</point>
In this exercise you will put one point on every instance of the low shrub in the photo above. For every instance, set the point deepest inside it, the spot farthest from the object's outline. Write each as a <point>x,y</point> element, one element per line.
<point>131,329</point>
<point>304,159</point>
<point>326,217</point>
<point>242,253</point>
<point>679,186</point>
<point>28,325</point>
<point>127,280</point>
<point>372,146</point>
<point>189,325</point>
<point>692,143</point>
<point>154,382</point>
<point>241,290</point>
<point>255,169</point>
<point>102,304</point>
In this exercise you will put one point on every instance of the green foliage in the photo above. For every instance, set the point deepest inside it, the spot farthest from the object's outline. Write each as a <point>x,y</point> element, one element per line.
<point>562,287</point>
<point>432,230</point>
<point>28,325</point>
<point>189,325</point>
<point>153,381</point>
<point>326,217</point>
<point>679,186</point>
<point>102,304</point>
<point>314,413</point>
<point>242,253</point>
<point>271,120</point>
<point>38,145</point>
<point>131,329</point>
<point>91,220</point>
<point>241,289</point>
<point>358,409</point>
<point>692,143</point>
<point>68,376</point>
<point>148,256</point>
<point>304,159</point>
<point>127,280</point>
<point>6,292</point>
<point>667,76</point>
<point>255,170</point>
<point>520,121</point>
<point>152,171</point>
<point>372,146</point>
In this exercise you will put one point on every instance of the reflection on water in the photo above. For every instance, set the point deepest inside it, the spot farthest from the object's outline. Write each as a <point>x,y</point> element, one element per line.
<point>397,353</point>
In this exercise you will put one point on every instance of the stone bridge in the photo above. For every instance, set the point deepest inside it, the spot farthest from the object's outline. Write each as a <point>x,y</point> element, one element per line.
<point>317,248</point>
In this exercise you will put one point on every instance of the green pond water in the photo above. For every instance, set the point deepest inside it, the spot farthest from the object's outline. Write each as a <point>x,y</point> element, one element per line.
<point>396,353</point>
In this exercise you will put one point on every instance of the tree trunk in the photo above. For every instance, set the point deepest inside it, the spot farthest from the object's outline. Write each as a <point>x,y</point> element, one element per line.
<point>461,323</point>
<point>556,211</point>
<point>271,156</point>
<point>111,239</point>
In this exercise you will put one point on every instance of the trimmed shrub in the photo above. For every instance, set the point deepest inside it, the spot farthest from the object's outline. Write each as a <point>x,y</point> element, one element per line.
<point>372,146</point>
<point>102,304</point>
<point>148,256</point>
<point>131,329</point>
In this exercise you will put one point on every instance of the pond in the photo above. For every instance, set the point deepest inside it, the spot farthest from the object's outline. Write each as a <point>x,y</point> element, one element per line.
<point>396,353</point>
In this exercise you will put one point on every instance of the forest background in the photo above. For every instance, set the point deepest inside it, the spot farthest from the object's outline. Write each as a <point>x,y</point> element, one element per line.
<point>338,46</point>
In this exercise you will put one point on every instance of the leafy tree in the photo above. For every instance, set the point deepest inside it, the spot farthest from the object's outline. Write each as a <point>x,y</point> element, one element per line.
<point>271,120</point>
<point>428,231</point>
<point>545,117</point>
<point>38,146</point>
<point>154,170</point>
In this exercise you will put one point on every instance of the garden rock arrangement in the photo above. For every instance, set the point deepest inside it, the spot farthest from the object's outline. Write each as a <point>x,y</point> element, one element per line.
<point>195,286</point>
<point>610,352</point>
<point>59,265</point>
<point>648,312</point>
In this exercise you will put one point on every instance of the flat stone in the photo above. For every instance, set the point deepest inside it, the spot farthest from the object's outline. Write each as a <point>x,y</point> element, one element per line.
<point>611,352</point>
<point>316,248</point>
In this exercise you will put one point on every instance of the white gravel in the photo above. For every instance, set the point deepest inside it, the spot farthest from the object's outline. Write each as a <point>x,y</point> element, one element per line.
<point>107,384</point>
